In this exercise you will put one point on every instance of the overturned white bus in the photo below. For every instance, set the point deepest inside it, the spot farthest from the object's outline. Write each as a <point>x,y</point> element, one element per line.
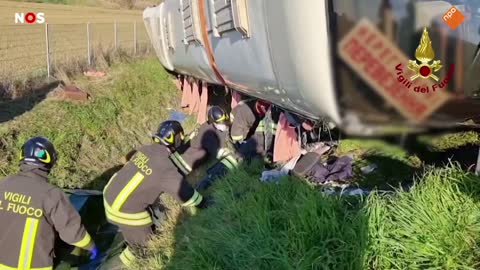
<point>369,66</point>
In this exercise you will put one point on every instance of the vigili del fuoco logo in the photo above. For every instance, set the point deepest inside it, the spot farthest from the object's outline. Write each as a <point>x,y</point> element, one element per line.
<point>424,68</point>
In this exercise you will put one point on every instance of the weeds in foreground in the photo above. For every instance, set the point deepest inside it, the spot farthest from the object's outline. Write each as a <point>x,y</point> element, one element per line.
<point>435,225</point>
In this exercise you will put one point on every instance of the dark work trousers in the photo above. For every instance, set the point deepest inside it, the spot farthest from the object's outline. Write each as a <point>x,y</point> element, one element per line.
<point>253,146</point>
<point>136,237</point>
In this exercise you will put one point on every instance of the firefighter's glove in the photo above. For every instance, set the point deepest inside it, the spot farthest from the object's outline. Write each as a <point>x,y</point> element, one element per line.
<point>93,253</point>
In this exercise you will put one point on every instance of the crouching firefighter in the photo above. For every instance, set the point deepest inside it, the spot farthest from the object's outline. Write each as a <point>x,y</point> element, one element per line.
<point>253,127</point>
<point>185,152</point>
<point>32,212</point>
<point>218,125</point>
<point>132,191</point>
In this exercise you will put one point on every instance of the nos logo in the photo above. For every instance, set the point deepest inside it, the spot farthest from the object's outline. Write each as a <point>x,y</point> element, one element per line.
<point>30,17</point>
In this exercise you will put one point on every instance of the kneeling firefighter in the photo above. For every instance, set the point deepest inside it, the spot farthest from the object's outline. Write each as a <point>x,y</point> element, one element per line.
<point>32,212</point>
<point>218,125</point>
<point>136,187</point>
<point>251,131</point>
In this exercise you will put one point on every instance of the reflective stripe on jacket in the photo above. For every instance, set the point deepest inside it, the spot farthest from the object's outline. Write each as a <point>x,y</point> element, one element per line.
<point>150,172</point>
<point>31,212</point>
<point>245,123</point>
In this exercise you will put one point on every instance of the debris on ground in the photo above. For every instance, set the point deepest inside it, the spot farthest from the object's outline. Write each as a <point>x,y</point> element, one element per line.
<point>319,148</point>
<point>336,170</point>
<point>94,73</point>
<point>369,168</point>
<point>348,191</point>
<point>316,149</point>
<point>177,116</point>
<point>272,175</point>
<point>69,93</point>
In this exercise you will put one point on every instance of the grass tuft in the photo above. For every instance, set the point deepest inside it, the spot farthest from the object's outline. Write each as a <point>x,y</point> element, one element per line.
<point>434,226</point>
<point>291,225</point>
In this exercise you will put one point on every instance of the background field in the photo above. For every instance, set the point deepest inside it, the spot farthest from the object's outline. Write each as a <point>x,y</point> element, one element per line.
<point>62,14</point>
<point>130,4</point>
<point>23,49</point>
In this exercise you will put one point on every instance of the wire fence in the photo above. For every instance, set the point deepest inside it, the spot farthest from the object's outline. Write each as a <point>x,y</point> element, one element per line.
<point>37,50</point>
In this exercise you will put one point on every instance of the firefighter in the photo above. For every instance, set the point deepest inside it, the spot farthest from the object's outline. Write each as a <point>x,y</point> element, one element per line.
<point>151,171</point>
<point>214,136</point>
<point>209,142</point>
<point>32,212</point>
<point>185,157</point>
<point>249,128</point>
<point>250,132</point>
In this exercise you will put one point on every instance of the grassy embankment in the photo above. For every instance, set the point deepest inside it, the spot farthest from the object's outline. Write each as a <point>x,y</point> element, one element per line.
<point>254,225</point>
<point>126,106</point>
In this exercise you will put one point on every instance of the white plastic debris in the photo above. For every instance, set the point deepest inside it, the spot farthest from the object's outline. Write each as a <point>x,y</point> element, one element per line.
<point>369,169</point>
<point>346,191</point>
<point>356,192</point>
<point>272,175</point>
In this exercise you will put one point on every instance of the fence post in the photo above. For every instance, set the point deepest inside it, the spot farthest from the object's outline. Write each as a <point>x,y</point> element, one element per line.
<point>115,33</point>
<point>89,49</point>
<point>47,49</point>
<point>134,38</point>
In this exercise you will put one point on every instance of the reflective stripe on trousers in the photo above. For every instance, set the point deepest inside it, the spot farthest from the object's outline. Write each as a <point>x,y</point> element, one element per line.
<point>195,200</point>
<point>223,152</point>
<point>230,162</point>
<point>127,257</point>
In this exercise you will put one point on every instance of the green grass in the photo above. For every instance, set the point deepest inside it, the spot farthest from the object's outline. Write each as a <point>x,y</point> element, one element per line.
<point>447,141</point>
<point>254,225</point>
<point>435,226</point>
<point>268,226</point>
<point>92,137</point>
<point>290,225</point>
<point>395,164</point>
